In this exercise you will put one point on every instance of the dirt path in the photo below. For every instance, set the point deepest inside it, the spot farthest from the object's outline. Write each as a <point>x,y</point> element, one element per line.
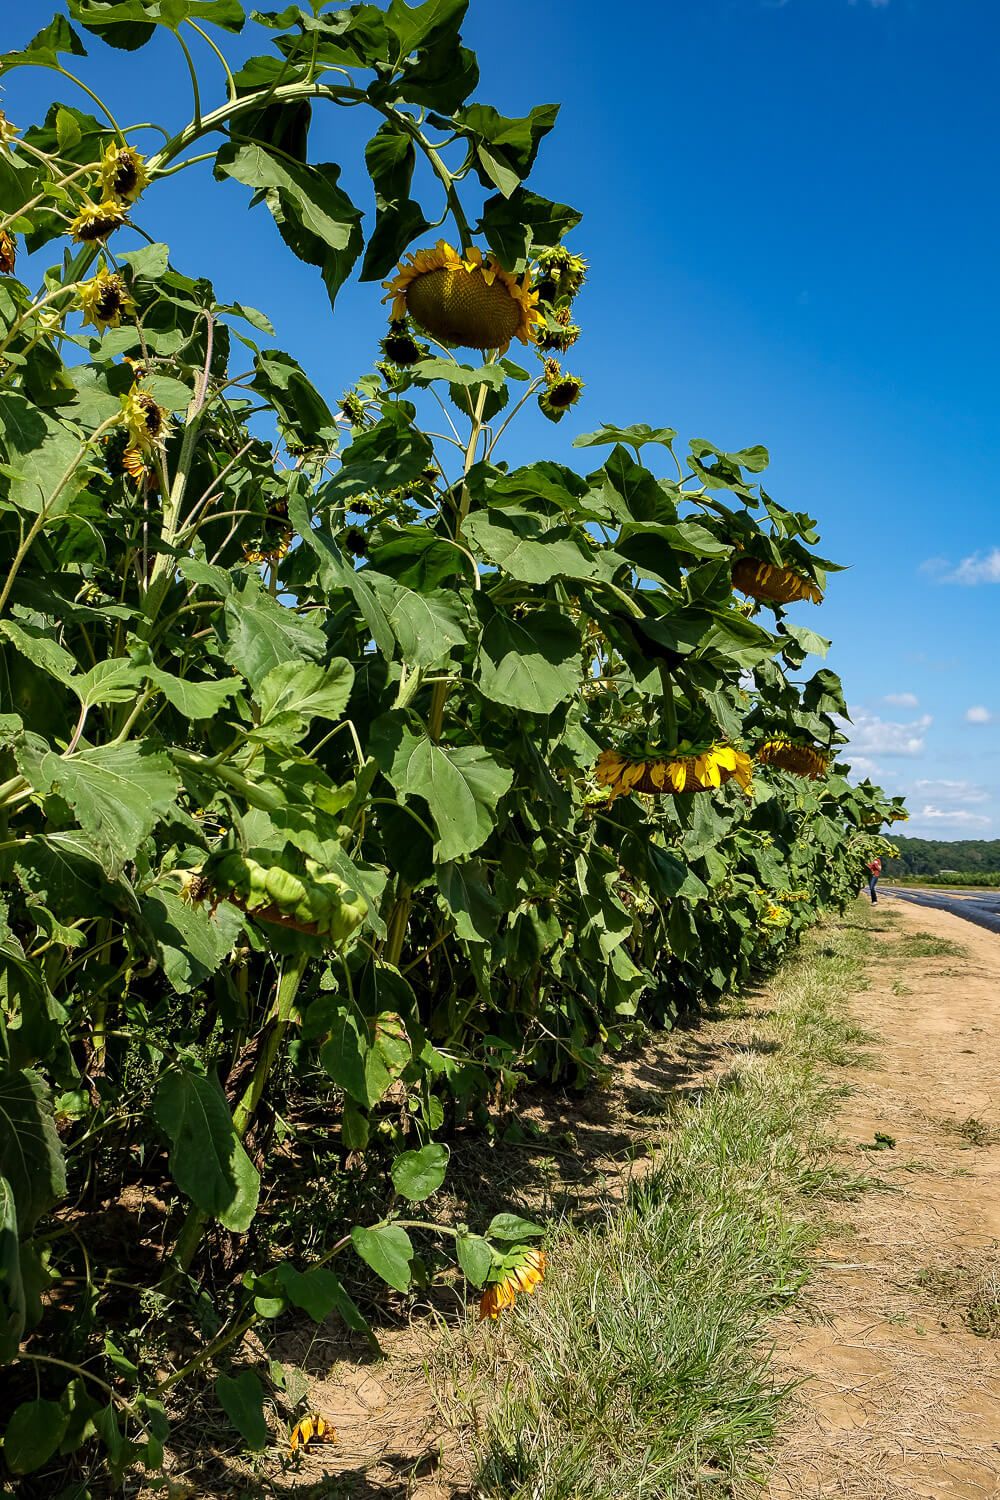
<point>900,1327</point>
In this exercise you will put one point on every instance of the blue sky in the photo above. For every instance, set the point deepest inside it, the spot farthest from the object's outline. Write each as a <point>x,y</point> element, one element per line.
<point>792,227</point>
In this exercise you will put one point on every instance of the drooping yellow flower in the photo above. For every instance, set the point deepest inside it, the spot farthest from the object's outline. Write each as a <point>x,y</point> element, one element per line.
<point>96,221</point>
<point>104,300</point>
<point>466,298</point>
<point>775,915</point>
<point>269,552</point>
<point>698,771</point>
<point>311,1429</point>
<point>523,1278</point>
<point>123,173</point>
<point>789,755</point>
<point>771,585</point>
<point>561,391</point>
<point>8,253</point>
<point>147,421</point>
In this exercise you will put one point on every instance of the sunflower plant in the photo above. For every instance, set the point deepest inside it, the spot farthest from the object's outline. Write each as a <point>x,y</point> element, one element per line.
<point>317,724</point>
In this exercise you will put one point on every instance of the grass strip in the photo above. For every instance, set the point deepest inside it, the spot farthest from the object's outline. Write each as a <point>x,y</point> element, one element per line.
<point>642,1367</point>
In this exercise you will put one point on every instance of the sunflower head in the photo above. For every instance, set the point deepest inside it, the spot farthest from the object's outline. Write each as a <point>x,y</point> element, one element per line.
<point>772,585</point>
<point>557,330</point>
<point>686,769</point>
<point>527,1273</point>
<point>561,392</point>
<point>353,408</point>
<point>401,347</point>
<point>311,1429</point>
<point>104,300</point>
<point>268,549</point>
<point>797,756</point>
<point>356,542</point>
<point>8,253</point>
<point>466,299</point>
<point>146,420</point>
<point>560,274</point>
<point>123,173</point>
<point>775,915</point>
<point>96,221</point>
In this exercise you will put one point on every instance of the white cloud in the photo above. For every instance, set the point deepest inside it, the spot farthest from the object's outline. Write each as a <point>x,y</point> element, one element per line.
<point>979,567</point>
<point>977,714</point>
<point>954,815</point>
<point>902,700</point>
<point>952,791</point>
<point>871,735</point>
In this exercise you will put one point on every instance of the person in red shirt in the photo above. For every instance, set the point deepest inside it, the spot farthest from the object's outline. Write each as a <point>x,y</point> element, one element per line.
<point>874,871</point>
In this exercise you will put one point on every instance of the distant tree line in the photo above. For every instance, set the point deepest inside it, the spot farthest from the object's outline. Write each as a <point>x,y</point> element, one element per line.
<point>934,856</point>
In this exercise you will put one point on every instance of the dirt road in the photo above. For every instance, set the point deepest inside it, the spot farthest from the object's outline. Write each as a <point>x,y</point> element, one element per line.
<point>900,1329</point>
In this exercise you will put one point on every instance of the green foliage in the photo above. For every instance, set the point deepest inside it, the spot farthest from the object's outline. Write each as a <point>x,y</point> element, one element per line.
<point>290,836</point>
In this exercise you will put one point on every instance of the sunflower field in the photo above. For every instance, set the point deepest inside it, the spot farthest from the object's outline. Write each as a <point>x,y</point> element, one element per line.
<point>349,777</point>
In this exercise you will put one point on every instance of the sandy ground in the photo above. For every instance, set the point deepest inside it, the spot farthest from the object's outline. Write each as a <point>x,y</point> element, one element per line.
<point>903,1397</point>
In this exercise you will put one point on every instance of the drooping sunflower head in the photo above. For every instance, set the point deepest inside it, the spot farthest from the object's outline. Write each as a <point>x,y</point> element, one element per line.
<point>560,274</point>
<point>798,756</point>
<point>557,330</point>
<point>123,173</point>
<point>96,221</point>
<point>146,420</point>
<point>402,347</point>
<point>524,1276</point>
<point>773,585</point>
<point>104,301</point>
<point>466,299</point>
<point>560,393</point>
<point>686,769</point>
<point>311,1428</point>
<point>353,408</point>
<point>269,549</point>
<point>356,542</point>
<point>8,253</point>
<point>775,915</point>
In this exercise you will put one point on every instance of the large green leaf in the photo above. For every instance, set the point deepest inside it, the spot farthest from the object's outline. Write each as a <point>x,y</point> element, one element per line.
<point>12,1302</point>
<point>207,1159</point>
<point>31,1157</point>
<point>521,544</point>
<point>117,792</point>
<point>514,225</point>
<point>532,663</point>
<point>44,49</point>
<point>130,23</point>
<point>46,458</point>
<point>506,148</point>
<point>316,218</point>
<point>390,156</point>
<point>319,1293</point>
<point>261,633</point>
<point>303,416</point>
<point>387,1249</point>
<point>414,27</point>
<point>242,1399</point>
<point>33,1434</point>
<point>193,940</point>
<point>461,785</point>
<point>418,1174</point>
<point>427,626</point>
<point>195,700</point>
<point>294,693</point>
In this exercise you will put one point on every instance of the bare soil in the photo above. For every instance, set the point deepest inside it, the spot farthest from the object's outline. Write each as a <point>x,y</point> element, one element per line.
<point>897,1337</point>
